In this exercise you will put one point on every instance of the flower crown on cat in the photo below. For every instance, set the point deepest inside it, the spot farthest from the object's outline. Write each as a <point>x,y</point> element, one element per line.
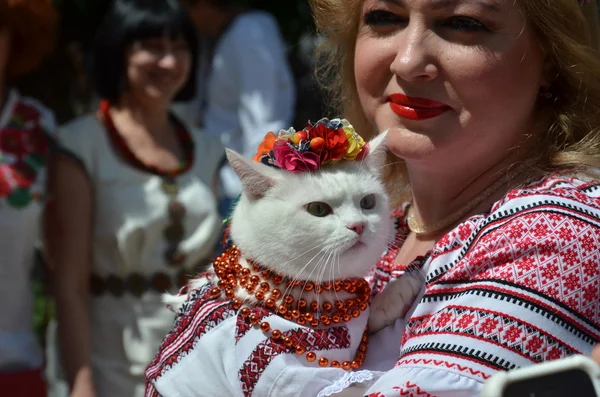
<point>321,143</point>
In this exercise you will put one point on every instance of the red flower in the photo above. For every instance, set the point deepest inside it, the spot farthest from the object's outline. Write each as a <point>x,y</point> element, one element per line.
<point>26,112</point>
<point>290,159</point>
<point>12,142</point>
<point>35,140</point>
<point>336,143</point>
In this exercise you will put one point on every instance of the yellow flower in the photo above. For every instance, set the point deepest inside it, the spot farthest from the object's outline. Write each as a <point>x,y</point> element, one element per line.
<point>355,141</point>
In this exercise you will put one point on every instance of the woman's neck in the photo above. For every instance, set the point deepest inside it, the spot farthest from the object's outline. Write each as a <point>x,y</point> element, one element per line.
<point>439,194</point>
<point>153,119</point>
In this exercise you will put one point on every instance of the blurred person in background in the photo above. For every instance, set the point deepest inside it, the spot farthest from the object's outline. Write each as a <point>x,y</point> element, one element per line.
<point>26,33</point>
<point>246,87</point>
<point>133,210</point>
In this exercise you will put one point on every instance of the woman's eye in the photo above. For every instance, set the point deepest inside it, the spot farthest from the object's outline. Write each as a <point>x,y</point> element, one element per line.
<point>465,24</point>
<point>368,202</point>
<point>319,209</point>
<point>379,17</point>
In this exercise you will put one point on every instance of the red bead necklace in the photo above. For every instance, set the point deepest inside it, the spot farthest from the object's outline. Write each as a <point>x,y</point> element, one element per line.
<point>183,136</point>
<point>257,281</point>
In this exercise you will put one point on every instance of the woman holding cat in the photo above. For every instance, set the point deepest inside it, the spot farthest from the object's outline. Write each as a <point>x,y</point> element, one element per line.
<point>493,117</point>
<point>492,113</point>
<point>26,31</point>
<point>133,212</point>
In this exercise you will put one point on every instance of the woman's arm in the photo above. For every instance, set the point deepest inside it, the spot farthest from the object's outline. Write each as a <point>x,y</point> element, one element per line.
<point>67,229</point>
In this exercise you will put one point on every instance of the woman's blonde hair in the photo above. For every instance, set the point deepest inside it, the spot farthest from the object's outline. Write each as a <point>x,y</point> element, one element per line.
<point>569,120</point>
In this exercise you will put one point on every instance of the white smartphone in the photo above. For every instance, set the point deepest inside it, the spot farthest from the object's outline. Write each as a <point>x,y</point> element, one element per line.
<point>576,376</point>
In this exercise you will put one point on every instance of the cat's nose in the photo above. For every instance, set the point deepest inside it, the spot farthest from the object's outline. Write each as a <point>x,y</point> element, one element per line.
<point>357,227</point>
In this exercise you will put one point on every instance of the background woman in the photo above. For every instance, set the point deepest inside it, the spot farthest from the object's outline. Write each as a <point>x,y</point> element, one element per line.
<point>26,31</point>
<point>133,211</point>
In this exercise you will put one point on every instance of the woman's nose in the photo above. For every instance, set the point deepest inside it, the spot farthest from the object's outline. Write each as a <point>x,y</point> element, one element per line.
<point>415,58</point>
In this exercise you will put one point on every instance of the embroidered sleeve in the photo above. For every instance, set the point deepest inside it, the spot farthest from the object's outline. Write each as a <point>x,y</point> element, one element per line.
<point>425,382</point>
<point>197,316</point>
<point>517,288</point>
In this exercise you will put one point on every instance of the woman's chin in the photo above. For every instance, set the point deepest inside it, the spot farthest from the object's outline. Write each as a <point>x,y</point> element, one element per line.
<point>160,94</point>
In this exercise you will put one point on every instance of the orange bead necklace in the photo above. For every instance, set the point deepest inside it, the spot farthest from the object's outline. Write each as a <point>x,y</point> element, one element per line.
<point>258,282</point>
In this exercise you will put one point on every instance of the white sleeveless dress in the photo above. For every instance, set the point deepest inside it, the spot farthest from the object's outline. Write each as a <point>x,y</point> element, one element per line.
<point>130,217</point>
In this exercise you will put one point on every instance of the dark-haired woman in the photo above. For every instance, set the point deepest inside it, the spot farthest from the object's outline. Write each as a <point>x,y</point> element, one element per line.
<point>25,126</point>
<point>133,211</point>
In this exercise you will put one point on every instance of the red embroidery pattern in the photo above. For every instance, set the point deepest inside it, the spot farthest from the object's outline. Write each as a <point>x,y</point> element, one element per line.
<point>242,326</point>
<point>269,349</point>
<point>150,390</point>
<point>551,253</point>
<point>198,316</point>
<point>497,328</point>
<point>411,389</point>
<point>440,363</point>
<point>385,269</point>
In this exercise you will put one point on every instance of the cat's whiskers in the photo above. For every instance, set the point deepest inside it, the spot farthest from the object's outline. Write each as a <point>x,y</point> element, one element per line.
<point>337,262</point>
<point>288,288</point>
<point>322,259</point>
<point>283,265</point>
<point>328,262</point>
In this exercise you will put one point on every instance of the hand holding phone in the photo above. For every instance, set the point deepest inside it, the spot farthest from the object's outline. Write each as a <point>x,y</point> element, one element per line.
<point>573,376</point>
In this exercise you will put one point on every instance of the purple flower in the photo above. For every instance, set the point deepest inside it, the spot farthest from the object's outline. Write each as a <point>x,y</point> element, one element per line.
<point>290,159</point>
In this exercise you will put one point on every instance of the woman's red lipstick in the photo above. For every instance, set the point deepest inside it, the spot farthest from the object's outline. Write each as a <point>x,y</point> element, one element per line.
<point>416,108</point>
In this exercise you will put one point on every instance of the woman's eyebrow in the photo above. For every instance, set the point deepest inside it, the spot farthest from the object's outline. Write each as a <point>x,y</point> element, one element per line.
<point>440,4</point>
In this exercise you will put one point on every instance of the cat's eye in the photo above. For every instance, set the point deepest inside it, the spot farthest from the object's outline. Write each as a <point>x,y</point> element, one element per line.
<point>318,208</point>
<point>368,202</point>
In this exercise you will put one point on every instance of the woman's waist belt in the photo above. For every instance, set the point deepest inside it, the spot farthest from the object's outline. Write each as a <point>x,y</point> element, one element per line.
<point>137,284</point>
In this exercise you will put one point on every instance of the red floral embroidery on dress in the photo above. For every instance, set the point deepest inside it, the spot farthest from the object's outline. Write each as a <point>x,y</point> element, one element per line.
<point>313,339</point>
<point>199,314</point>
<point>242,327</point>
<point>23,149</point>
<point>511,333</point>
<point>554,254</point>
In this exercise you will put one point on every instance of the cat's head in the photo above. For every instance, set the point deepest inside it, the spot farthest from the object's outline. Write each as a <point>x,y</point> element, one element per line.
<point>321,225</point>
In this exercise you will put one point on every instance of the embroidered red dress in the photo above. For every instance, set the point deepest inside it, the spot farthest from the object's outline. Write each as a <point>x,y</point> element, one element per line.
<point>510,288</point>
<point>24,128</point>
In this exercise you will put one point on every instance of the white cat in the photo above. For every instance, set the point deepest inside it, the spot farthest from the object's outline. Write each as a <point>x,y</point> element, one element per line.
<point>272,223</point>
<point>298,234</point>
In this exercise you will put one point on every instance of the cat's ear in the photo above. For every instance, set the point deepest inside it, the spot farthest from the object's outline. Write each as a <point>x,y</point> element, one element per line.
<point>256,178</point>
<point>375,158</point>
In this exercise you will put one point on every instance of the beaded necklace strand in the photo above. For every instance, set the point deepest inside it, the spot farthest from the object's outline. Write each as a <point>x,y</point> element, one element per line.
<point>257,282</point>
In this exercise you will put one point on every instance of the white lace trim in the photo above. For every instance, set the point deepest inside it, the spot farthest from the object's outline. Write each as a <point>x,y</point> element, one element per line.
<point>349,378</point>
